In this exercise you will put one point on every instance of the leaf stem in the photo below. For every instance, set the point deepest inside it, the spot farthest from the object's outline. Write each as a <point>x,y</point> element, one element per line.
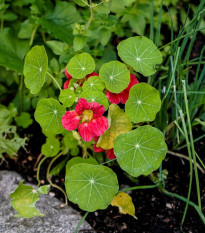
<point>54,81</point>
<point>49,179</point>
<point>33,34</point>
<point>139,187</point>
<point>38,171</point>
<point>81,221</point>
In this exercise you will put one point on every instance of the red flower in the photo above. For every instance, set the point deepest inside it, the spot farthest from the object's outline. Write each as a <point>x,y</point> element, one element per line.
<point>109,153</point>
<point>66,84</point>
<point>67,74</point>
<point>90,115</point>
<point>123,96</point>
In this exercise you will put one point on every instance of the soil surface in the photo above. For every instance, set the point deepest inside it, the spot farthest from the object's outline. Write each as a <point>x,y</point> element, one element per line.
<point>156,212</point>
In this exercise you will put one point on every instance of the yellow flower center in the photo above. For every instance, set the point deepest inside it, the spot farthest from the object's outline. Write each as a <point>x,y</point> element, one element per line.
<point>87,115</point>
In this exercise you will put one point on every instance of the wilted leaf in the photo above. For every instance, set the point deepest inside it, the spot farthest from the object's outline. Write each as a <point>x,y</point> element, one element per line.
<point>118,123</point>
<point>124,202</point>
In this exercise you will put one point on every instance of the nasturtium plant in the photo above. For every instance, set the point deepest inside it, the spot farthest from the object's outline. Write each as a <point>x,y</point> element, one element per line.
<point>24,199</point>
<point>143,103</point>
<point>93,84</point>
<point>67,97</point>
<point>140,53</point>
<point>95,96</point>
<point>69,141</point>
<point>115,75</point>
<point>48,114</point>
<point>77,160</point>
<point>51,147</point>
<point>81,65</point>
<point>140,151</point>
<point>82,121</point>
<point>35,68</point>
<point>91,186</point>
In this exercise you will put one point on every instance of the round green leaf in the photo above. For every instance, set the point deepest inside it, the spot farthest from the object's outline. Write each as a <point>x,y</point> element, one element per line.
<point>119,123</point>
<point>93,84</point>
<point>35,68</point>
<point>69,141</point>
<point>143,103</point>
<point>78,160</point>
<point>48,114</point>
<point>67,97</point>
<point>91,187</point>
<point>140,151</point>
<point>115,75</point>
<point>51,147</point>
<point>140,53</point>
<point>96,96</point>
<point>81,65</point>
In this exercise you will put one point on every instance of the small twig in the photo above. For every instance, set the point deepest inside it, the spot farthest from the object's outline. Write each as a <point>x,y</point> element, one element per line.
<point>185,157</point>
<point>38,171</point>
<point>35,165</point>
<point>33,34</point>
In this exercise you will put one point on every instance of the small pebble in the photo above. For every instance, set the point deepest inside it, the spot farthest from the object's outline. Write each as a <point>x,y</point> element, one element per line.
<point>168,205</point>
<point>52,194</point>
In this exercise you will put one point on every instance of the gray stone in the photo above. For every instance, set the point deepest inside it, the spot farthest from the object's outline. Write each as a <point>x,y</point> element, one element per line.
<point>56,219</point>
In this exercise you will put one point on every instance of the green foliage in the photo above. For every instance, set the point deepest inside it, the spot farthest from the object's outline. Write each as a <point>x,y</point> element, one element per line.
<point>67,97</point>
<point>12,50</point>
<point>115,76</point>
<point>140,53</point>
<point>143,103</point>
<point>35,68</point>
<point>91,187</point>
<point>78,160</point>
<point>24,199</point>
<point>93,84</point>
<point>48,114</point>
<point>51,147</point>
<point>69,141</point>
<point>10,142</point>
<point>95,96</point>
<point>24,120</point>
<point>81,65</point>
<point>140,151</point>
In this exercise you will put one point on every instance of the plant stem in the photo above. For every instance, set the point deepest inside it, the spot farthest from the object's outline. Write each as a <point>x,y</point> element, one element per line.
<point>54,81</point>
<point>21,86</point>
<point>81,221</point>
<point>197,208</point>
<point>33,34</point>
<point>192,144</point>
<point>139,187</point>
<point>50,181</point>
<point>91,15</point>
<point>38,171</point>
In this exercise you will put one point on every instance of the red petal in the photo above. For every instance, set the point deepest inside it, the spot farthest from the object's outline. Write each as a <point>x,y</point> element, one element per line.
<point>97,149</point>
<point>70,120</point>
<point>67,74</point>
<point>96,138</point>
<point>110,154</point>
<point>113,97</point>
<point>97,109</point>
<point>133,81</point>
<point>98,125</point>
<point>124,96</point>
<point>82,105</point>
<point>85,132</point>
<point>92,74</point>
<point>66,84</point>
